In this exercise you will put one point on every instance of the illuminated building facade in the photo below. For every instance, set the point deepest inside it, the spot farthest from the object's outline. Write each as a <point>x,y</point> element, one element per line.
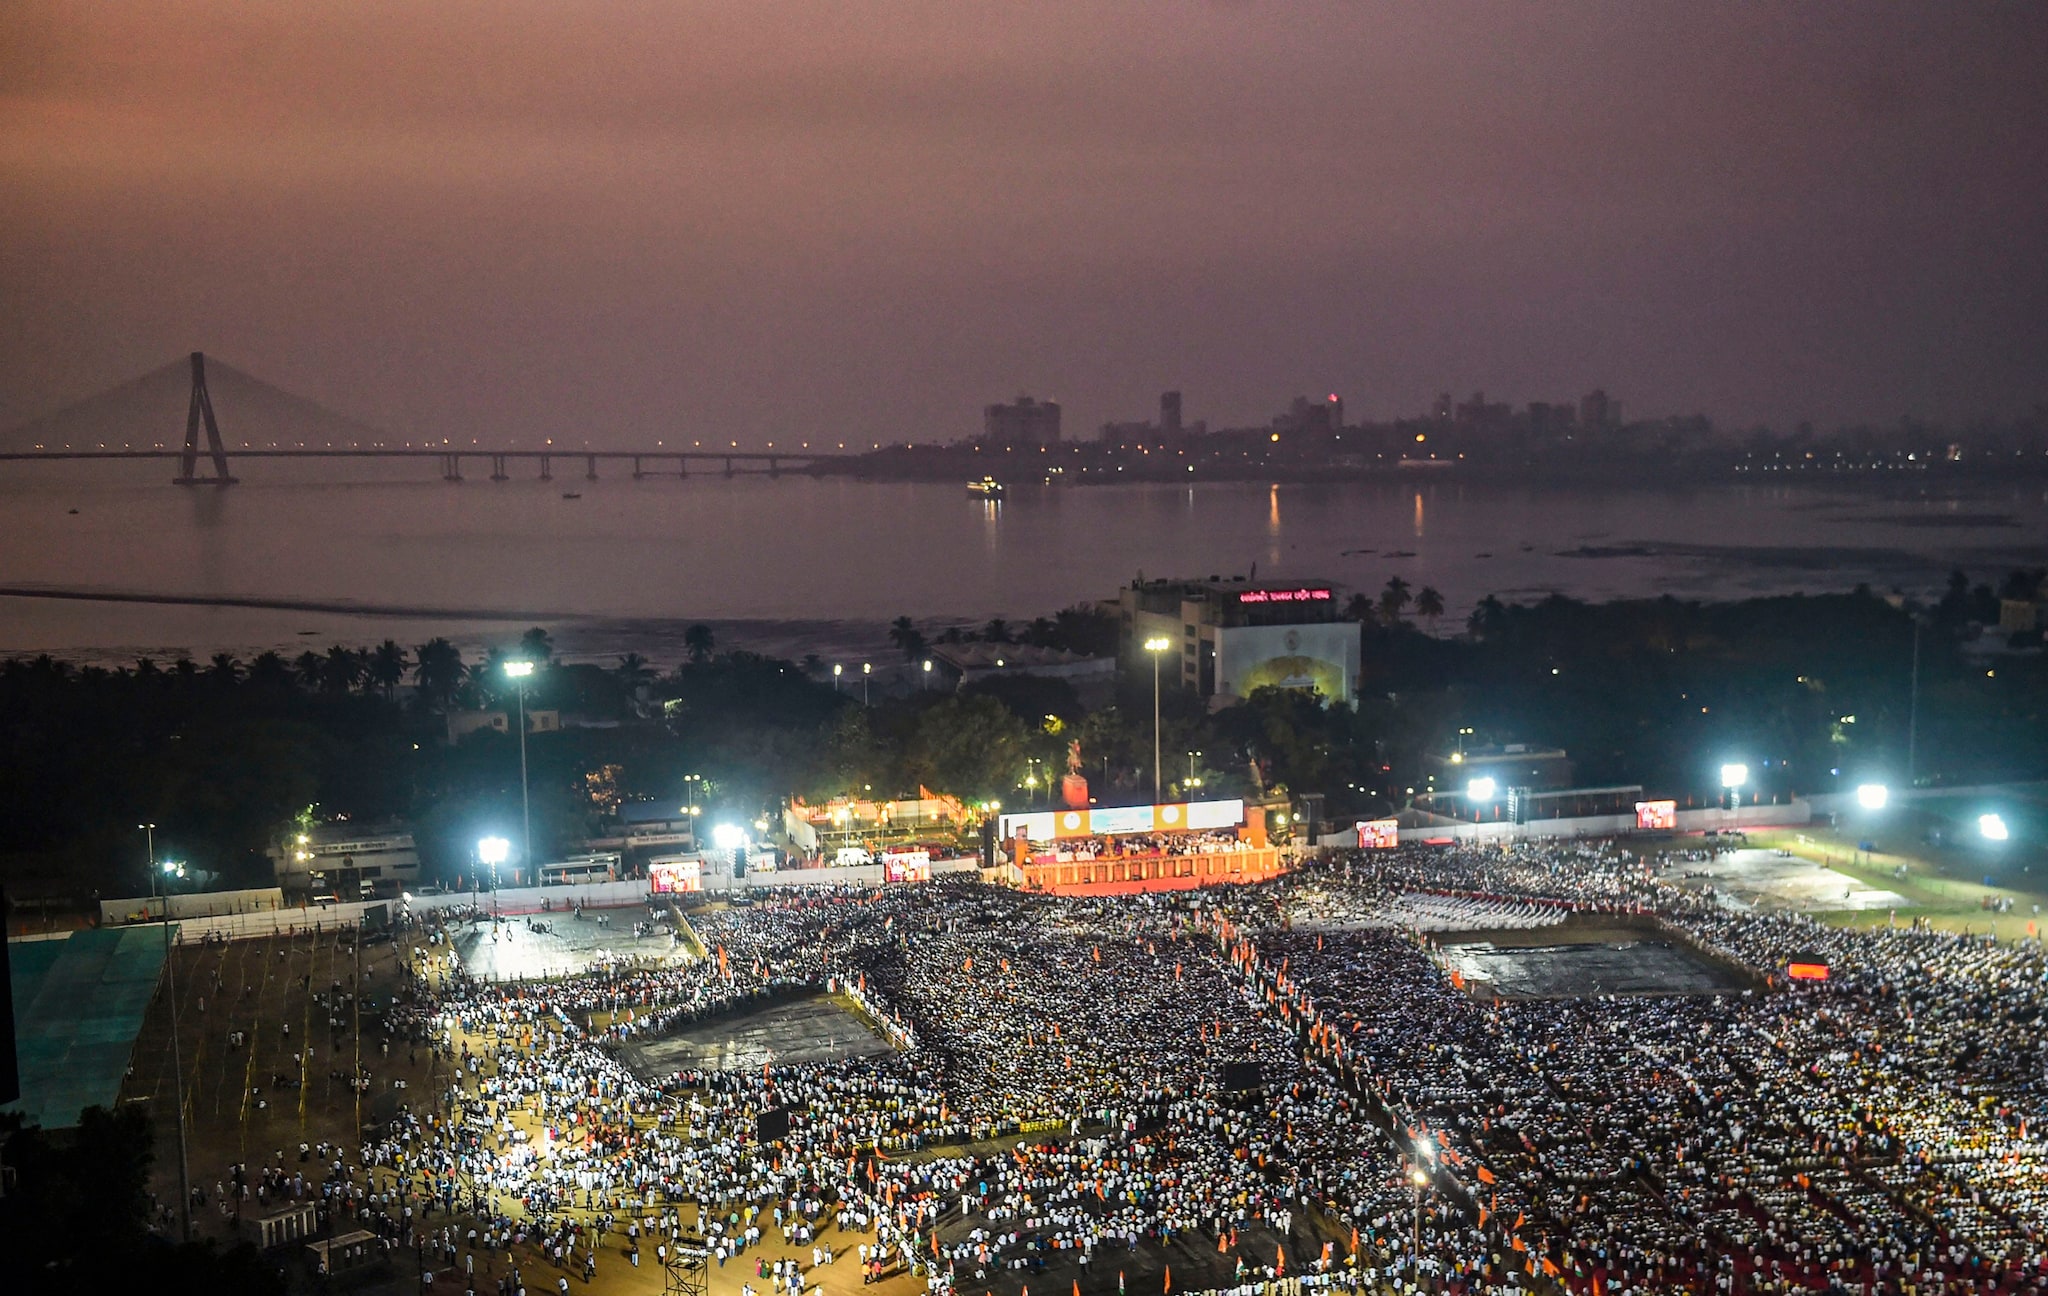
<point>1231,636</point>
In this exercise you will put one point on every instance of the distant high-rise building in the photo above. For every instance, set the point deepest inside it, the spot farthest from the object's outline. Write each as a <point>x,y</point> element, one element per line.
<point>1169,414</point>
<point>1595,410</point>
<point>1026,422</point>
<point>1476,411</point>
<point>1549,418</point>
<point>1306,415</point>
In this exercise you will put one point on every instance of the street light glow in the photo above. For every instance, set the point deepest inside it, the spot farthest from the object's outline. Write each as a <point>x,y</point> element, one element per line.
<point>1157,643</point>
<point>1734,776</point>
<point>1481,789</point>
<point>518,669</point>
<point>1993,827</point>
<point>493,850</point>
<point>1873,796</point>
<point>728,837</point>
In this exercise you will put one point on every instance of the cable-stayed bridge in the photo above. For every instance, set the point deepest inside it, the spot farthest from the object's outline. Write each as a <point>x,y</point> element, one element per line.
<point>137,420</point>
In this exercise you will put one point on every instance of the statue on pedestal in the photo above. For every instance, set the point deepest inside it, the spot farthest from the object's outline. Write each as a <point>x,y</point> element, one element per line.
<point>1073,787</point>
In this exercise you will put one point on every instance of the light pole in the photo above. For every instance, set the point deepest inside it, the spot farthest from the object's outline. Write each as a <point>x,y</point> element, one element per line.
<point>492,851</point>
<point>1913,709</point>
<point>927,672</point>
<point>866,671</point>
<point>521,671</point>
<point>177,1062</point>
<point>1193,782</point>
<point>1417,1179</point>
<point>1157,646</point>
<point>1733,776</point>
<point>836,668</point>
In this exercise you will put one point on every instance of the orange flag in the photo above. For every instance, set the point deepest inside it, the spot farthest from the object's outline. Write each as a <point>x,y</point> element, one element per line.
<point>1279,1259</point>
<point>1485,1175</point>
<point>1518,1221</point>
<point>1222,1244</point>
<point>1169,1278</point>
<point>1077,1287</point>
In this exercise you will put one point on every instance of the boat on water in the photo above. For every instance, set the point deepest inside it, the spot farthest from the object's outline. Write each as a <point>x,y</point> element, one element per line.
<point>986,488</point>
<point>572,494</point>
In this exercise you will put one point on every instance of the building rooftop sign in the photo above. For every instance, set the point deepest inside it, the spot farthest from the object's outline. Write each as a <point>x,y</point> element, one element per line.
<point>1308,594</point>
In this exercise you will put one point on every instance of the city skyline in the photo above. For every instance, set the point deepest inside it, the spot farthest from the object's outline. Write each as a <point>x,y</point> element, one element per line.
<point>746,219</point>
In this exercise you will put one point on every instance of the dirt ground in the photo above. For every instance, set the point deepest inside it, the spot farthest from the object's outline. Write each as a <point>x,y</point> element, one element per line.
<point>240,1108</point>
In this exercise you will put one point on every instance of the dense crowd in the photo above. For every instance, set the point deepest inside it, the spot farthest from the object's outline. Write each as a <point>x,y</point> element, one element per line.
<point>1057,1098</point>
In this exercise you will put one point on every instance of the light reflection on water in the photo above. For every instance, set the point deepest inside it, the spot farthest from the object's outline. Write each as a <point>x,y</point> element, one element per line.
<point>830,551</point>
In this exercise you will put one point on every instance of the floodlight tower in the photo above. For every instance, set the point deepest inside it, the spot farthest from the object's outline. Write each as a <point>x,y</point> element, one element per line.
<point>172,868</point>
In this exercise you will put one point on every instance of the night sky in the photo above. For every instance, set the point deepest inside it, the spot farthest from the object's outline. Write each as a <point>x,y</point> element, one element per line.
<point>759,220</point>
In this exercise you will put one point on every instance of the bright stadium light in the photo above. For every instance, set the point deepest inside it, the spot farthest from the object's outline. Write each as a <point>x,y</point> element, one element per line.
<point>518,669</point>
<point>1734,776</point>
<point>1481,789</point>
<point>728,837</point>
<point>493,850</point>
<point>1873,796</point>
<point>1156,646</point>
<point>1993,827</point>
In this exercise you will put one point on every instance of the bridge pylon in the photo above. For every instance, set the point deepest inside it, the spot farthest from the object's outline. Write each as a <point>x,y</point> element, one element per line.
<point>201,411</point>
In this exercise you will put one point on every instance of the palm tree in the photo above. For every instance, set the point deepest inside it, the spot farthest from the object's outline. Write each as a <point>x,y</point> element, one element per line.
<point>437,669</point>
<point>633,671</point>
<point>387,666</point>
<point>905,635</point>
<point>1488,619</point>
<point>226,670</point>
<point>1360,609</point>
<point>537,647</point>
<point>697,643</point>
<point>1393,599</point>
<point>1429,605</point>
<point>342,670</point>
<point>996,631</point>
<point>310,668</point>
<point>268,669</point>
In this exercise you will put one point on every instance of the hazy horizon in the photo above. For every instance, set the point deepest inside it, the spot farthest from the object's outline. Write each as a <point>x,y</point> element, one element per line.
<point>775,221</point>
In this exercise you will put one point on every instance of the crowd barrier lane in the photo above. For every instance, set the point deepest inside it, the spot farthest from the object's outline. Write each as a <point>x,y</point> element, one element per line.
<point>1792,814</point>
<point>314,919</point>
